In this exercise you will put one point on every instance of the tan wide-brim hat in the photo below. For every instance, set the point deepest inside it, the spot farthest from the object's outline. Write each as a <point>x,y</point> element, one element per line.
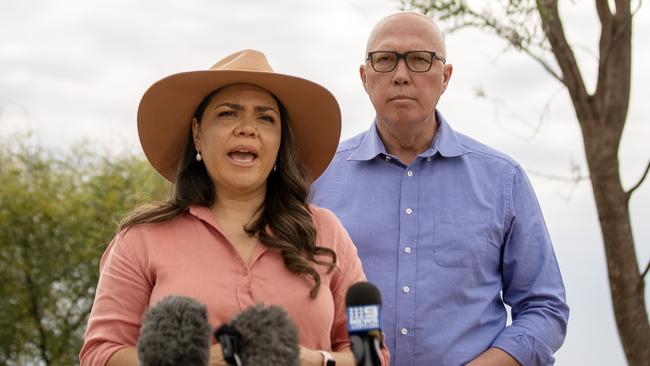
<point>167,108</point>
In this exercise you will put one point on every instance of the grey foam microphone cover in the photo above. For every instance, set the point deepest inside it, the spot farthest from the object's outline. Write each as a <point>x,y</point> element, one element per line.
<point>175,331</point>
<point>268,337</point>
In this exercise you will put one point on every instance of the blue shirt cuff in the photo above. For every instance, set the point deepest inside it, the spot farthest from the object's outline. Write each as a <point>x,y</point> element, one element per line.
<point>527,350</point>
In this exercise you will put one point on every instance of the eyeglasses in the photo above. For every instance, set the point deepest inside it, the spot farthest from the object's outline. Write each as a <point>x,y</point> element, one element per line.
<point>416,61</point>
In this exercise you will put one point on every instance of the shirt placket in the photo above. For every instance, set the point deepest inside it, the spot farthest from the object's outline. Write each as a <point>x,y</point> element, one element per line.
<point>244,292</point>
<point>244,286</point>
<point>406,266</point>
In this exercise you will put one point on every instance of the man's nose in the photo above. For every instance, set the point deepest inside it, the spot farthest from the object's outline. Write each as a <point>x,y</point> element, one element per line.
<point>401,74</point>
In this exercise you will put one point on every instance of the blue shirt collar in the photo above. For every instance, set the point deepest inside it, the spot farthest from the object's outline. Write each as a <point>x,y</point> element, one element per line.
<point>445,142</point>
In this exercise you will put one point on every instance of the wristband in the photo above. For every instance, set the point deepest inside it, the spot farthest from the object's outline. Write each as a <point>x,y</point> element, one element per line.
<point>328,360</point>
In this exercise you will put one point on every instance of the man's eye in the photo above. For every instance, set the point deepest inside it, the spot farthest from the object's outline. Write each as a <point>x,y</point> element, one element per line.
<point>420,59</point>
<point>384,59</point>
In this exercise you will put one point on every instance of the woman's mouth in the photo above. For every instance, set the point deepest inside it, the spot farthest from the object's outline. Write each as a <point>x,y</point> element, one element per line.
<point>243,155</point>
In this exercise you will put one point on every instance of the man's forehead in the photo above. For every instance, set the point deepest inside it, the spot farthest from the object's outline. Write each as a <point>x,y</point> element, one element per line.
<point>405,31</point>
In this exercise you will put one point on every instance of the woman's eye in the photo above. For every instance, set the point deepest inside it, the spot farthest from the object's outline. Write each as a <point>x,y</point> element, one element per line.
<point>226,114</point>
<point>267,118</point>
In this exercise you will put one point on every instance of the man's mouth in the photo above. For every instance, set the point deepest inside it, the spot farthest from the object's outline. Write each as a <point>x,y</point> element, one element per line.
<point>401,97</point>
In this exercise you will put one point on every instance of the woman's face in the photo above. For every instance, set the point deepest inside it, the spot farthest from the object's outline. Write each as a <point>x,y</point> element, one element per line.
<point>239,138</point>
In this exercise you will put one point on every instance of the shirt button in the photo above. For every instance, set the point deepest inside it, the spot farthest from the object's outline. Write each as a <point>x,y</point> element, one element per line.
<point>404,331</point>
<point>407,250</point>
<point>406,289</point>
<point>409,211</point>
<point>428,158</point>
<point>409,173</point>
<point>387,158</point>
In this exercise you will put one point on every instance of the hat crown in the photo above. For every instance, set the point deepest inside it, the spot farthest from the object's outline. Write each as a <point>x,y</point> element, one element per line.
<point>248,60</point>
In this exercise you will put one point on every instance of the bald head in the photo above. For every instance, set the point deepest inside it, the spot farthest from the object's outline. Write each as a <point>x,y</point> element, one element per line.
<point>405,23</point>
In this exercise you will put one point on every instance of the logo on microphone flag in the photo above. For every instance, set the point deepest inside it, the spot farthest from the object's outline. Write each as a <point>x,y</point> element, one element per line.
<point>363,318</point>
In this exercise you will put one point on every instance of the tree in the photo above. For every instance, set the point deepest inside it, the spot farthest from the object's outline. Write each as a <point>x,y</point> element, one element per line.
<point>57,214</point>
<point>536,29</point>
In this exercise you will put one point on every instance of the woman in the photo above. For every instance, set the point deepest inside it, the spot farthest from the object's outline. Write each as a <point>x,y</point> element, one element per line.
<point>241,144</point>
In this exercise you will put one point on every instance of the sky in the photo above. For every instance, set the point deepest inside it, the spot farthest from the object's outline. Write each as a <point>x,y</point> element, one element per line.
<point>76,69</point>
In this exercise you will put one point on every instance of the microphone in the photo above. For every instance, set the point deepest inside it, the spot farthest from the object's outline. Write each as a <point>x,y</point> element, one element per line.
<point>363,302</point>
<point>258,336</point>
<point>174,332</point>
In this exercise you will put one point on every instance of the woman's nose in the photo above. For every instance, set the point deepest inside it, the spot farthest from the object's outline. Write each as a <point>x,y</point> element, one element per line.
<point>246,127</point>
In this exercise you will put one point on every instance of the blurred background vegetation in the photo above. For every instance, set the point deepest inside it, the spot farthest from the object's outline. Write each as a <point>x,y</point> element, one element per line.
<point>58,211</point>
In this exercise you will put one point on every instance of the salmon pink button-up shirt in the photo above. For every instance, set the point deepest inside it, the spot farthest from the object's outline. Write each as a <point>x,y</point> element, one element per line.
<point>190,256</point>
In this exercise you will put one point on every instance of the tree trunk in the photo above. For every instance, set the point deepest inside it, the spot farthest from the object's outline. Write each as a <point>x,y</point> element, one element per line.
<point>625,281</point>
<point>602,116</point>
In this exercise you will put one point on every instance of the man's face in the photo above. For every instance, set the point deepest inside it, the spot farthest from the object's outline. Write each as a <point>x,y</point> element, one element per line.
<point>402,98</point>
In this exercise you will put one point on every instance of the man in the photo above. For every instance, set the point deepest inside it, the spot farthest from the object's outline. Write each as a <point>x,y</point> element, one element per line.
<point>449,229</point>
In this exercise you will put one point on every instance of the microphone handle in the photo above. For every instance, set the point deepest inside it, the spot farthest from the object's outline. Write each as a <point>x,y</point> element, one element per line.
<point>366,350</point>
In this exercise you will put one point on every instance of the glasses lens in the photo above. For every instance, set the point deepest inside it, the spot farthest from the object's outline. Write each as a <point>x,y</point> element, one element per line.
<point>383,61</point>
<point>419,61</point>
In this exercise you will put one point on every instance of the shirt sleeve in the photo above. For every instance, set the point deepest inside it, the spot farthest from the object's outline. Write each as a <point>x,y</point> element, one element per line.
<point>121,298</point>
<point>349,271</point>
<point>532,283</point>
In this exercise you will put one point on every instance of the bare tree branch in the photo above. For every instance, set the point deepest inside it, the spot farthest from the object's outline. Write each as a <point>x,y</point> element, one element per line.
<point>622,7</point>
<point>505,32</point>
<point>554,30</point>
<point>638,184</point>
<point>560,178</point>
<point>544,64</point>
<point>638,7</point>
<point>513,38</point>
<point>604,13</point>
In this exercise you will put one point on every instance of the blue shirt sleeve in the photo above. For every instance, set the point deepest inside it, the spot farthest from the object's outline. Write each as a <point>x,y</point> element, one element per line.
<point>532,283</point>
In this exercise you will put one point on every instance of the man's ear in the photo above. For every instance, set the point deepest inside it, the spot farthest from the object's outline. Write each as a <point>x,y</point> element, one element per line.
<point>362,74</point>
<point>446,74</point>
<point>196,128</point>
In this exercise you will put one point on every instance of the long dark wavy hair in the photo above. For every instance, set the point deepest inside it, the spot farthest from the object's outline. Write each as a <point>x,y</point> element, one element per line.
<point>283,221</point>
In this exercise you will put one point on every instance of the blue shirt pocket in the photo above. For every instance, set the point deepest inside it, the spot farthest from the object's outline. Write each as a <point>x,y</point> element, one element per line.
<point>460,240</point>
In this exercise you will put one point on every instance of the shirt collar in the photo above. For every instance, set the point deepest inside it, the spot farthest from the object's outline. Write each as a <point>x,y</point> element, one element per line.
<point>445,141</point>
<point>370,146</point>
<point>204,214</point>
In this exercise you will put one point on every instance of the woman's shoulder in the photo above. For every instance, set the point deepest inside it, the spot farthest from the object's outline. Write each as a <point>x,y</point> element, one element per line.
<point>142,239</point>
<point>324,218</point>
<point>157,228</point>
<point>330,231</point>
<point>141,235</point>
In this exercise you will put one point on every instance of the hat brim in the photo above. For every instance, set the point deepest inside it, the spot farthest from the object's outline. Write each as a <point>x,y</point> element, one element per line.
<point>167,107</point>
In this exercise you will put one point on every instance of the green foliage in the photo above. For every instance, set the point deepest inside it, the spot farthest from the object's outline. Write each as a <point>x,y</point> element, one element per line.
<point>57,214</point>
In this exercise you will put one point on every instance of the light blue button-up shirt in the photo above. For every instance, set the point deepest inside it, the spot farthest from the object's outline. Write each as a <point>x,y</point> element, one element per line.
<point>448,240</point>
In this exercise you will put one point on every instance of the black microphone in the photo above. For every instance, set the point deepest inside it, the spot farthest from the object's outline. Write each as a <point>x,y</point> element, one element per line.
<point>363,302</point>
<point>258,336</point>
<point>230,340</point>
<point>175,331</point>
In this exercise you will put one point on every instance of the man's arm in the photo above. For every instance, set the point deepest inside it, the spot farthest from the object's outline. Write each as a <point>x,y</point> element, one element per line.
<point>494,357</point>
<point>532,283</point>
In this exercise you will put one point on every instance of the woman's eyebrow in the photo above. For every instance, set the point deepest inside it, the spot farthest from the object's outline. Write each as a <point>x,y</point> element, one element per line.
<point>263,108</point>
<point>234,106</point>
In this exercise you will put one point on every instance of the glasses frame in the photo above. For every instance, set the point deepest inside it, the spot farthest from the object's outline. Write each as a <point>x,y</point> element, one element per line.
<point>404,55</point>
